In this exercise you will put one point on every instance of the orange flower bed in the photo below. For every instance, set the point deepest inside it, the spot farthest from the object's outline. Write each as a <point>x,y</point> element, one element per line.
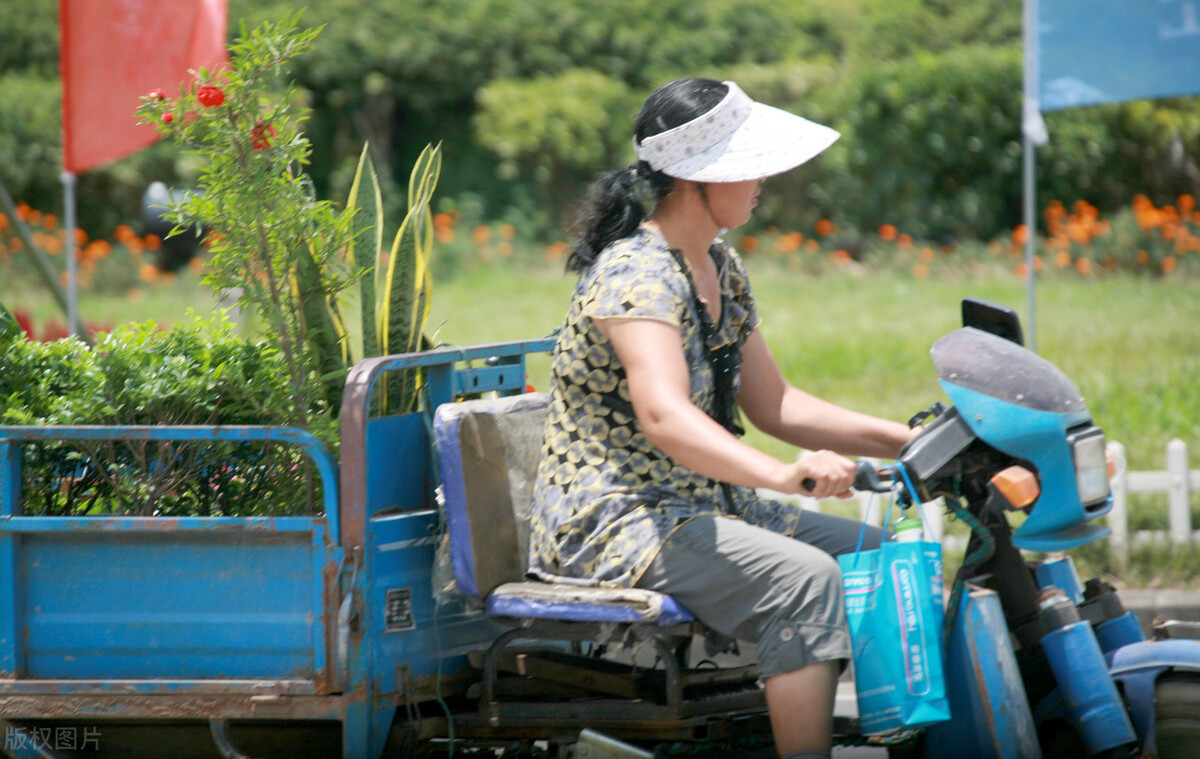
<point>113,265</point>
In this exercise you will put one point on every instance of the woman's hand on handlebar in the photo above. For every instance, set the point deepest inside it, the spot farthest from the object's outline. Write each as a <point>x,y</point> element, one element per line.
<point>822,474</point>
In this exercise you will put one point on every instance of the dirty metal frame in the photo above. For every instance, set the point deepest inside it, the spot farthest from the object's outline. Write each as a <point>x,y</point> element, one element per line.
<point>657,709</point>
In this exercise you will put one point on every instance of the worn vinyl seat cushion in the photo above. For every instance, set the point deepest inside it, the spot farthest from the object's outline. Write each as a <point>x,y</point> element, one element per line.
<point>488,453</point>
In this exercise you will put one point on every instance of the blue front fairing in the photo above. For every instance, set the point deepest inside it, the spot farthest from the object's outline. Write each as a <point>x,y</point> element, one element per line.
<point>1022,405</point>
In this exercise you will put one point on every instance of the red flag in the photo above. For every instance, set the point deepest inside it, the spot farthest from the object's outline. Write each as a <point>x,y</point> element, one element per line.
<point>115,51</point>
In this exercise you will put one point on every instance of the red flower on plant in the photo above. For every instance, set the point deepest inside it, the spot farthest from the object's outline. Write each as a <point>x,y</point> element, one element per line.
<point>52,329</point>
<point>156,95</point>
<point>210,96</point>
<point>168,117</point>
<point>260,136</point>
<point>25,322</point>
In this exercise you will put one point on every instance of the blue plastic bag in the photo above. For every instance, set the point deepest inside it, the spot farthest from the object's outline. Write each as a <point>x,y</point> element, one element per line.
<point>894,608</point>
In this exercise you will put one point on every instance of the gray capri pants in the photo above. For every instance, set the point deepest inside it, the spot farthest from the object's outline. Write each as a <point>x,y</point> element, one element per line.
<point>782,593</point>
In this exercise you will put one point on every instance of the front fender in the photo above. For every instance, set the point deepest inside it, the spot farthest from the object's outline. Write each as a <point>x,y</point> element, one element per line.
<point>1137,667</point>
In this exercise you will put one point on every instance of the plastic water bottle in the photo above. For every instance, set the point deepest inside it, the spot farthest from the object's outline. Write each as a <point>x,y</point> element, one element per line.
<point>909,530</point>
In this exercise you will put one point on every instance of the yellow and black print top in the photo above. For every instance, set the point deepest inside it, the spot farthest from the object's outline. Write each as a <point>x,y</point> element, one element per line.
<point>606,497</point>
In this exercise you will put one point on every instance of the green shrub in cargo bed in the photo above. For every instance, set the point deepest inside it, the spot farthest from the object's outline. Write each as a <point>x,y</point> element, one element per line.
<point>194,374</point>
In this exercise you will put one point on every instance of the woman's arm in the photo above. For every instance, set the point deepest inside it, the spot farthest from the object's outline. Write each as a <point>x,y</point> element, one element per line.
<point>660,388</point>
<point>794,416</point>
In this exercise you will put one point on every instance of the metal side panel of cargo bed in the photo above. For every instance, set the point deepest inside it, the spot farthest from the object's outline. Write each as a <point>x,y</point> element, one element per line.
<point>127,617</point>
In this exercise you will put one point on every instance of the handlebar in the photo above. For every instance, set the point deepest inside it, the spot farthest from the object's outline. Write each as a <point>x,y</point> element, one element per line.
<point>866,477</point>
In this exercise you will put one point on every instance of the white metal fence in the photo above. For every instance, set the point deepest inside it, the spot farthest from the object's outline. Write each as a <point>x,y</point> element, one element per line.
<point>1177,481</point>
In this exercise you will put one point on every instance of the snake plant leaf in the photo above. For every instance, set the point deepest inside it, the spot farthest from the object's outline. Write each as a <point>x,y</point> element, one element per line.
<point>395,314</point>
<point>431,169</point>
<point>365,202</point>
<point>395,311</point>
<point>405,302</point>
<point>324,327</point>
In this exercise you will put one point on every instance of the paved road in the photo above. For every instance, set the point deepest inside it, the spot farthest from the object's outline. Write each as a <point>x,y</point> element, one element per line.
<point>1163,602</point>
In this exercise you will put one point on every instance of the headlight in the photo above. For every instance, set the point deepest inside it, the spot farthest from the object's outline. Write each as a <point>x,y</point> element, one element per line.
<point>1091,467</point>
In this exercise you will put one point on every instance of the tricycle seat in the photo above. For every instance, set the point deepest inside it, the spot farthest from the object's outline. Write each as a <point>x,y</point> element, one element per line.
<point>576,603</point>
<point>488,452</point>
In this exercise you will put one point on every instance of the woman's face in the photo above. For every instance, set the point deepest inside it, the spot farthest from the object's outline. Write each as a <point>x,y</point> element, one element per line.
<point>732,203</point>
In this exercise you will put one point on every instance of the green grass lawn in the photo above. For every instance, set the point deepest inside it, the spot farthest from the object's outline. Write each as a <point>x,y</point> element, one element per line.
<point>163,302</point>
<point>862,340</point>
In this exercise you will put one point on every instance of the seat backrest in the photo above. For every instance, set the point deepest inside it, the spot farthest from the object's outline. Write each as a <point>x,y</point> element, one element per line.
<point>488,454</point>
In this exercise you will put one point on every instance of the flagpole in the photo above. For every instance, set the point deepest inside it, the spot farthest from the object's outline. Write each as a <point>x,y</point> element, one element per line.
<point>1033,132</point>
<point>1029,214</point>
<point>44,268</point>
<point>68,183</point>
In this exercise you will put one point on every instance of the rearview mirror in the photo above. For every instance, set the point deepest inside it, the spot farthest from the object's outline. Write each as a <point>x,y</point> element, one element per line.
<point>1001,321</point>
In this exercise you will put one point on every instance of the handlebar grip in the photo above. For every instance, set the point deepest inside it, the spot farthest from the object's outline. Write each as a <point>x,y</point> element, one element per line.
<point>867,478</point>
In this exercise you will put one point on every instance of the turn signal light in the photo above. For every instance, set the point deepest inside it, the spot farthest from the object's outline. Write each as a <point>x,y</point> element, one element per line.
<point>1018,485</point>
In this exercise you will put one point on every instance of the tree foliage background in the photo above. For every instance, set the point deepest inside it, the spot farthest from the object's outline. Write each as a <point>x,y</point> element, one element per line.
<point>531,97</point>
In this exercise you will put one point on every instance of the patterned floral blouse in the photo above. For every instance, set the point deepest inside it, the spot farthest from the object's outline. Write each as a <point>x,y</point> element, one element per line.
<point>606,497</point>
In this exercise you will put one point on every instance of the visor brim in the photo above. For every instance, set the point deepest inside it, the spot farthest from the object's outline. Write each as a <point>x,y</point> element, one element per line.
<point>771,141</point>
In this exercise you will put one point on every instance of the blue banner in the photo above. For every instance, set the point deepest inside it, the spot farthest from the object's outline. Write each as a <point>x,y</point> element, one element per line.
<point>1105,51</point>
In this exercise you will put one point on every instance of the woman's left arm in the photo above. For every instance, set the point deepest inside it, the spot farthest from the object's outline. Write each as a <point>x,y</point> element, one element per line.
<point>776,407</point>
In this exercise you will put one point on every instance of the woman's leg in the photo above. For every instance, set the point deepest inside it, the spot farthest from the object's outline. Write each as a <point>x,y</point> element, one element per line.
<point>800,704</point>
<point>785,595</point>
<point>836,535</point>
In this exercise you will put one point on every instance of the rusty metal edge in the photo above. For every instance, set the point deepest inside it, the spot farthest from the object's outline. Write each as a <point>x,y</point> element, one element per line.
<point>190,706</point>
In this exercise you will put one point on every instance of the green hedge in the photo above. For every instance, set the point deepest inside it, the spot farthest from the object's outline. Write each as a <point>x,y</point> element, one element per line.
<point>530,99</point>
<point>30,150</point>
<point>933,143</point>
<point>198,374</point>
<point>1107,154</point>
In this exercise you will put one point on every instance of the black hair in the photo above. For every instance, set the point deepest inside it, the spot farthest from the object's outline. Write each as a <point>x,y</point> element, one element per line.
<point>618,201</point>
